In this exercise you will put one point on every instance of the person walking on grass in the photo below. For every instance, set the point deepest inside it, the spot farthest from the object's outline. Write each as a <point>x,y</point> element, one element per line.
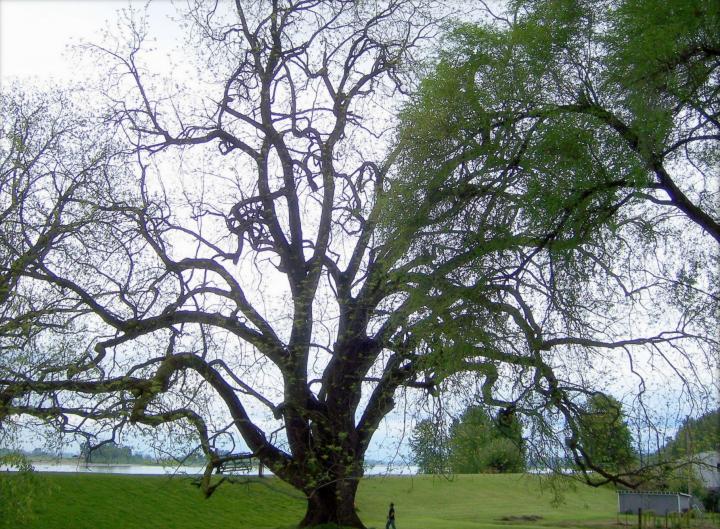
<point>391,517</point>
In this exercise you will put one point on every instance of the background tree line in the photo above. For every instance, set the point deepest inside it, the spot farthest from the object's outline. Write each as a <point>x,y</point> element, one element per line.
<point>474,443</point>
<point>696,435</point>
<point>478,442</point>
<point>114,453</point>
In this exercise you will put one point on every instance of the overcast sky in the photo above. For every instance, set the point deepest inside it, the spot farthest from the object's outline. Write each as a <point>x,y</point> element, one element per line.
<point>36,36</point>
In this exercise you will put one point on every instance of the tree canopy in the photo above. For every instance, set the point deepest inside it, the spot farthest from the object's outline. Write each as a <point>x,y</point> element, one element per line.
<point>695,436</point>
<point>264,252</point>
<point>564,205</point>
<point>474,443</point>
<point>429,447</point>
<point>604,434</point>
<point>479,445</point>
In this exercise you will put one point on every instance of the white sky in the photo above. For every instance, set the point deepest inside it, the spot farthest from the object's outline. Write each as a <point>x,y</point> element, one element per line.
<point>36,36</point>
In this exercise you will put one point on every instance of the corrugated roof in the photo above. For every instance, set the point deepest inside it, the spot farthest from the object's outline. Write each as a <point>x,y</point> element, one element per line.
<point>649,493</point>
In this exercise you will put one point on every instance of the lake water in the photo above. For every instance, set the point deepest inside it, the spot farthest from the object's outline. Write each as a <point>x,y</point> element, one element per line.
<point>158,470</point>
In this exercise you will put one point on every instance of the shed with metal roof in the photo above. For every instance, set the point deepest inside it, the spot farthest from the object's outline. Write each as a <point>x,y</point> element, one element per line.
<point>658,502</point>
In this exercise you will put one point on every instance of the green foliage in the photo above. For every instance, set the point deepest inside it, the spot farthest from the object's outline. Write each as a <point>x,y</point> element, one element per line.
<point>677,468</point>
<point>702,433</point>
<point>476,443</point>
<point>540,97</point>
<point>666,49</point>
<point>674,476</point>
<point>106,453</point>
<point>604,434</point>
<point>479,445</point>
<point>429,448</point>
<point>554,154</point>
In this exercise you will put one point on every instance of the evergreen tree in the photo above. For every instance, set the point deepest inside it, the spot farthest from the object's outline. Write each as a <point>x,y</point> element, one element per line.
<point>604,434</point>
<point>429,447</point>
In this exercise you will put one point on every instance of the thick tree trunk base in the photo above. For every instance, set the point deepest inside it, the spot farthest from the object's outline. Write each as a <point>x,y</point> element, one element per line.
<point>315,519</point>
<point>333,506</point>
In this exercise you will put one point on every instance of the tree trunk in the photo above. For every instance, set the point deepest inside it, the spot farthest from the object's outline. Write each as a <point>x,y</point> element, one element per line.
<point>333,503</point>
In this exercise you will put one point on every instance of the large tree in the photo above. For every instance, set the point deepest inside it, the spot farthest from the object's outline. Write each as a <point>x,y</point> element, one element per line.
<point>242,281</point>
<point>255,278</point>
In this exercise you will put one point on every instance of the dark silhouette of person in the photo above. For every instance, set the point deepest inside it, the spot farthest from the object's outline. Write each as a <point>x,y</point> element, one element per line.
<point>391,517</point>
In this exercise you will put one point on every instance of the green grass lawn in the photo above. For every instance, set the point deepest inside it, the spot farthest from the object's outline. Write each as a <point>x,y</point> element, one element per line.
<point>104,501</point>
<point>481,501</point>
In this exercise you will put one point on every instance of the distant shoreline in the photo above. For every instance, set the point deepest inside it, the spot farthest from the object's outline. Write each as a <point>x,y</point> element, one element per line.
<point>77,465</point>
<point>78,460</point>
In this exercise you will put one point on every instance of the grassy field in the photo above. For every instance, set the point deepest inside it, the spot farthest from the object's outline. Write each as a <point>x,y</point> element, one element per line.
<point>481,501</point>
<point>103,501</point>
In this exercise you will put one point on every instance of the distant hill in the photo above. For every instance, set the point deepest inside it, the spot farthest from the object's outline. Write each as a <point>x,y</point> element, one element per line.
<point>702,433</point>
